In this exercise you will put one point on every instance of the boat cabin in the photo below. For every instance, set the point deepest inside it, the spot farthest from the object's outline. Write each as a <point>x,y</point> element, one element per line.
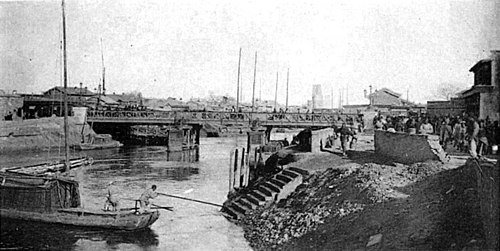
<point>36,194</point>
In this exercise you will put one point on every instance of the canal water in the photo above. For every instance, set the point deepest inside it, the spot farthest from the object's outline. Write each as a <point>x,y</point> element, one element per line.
<point>128,172</point>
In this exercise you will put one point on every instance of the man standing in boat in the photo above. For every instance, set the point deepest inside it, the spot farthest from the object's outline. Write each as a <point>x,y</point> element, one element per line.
<point>146,196</point>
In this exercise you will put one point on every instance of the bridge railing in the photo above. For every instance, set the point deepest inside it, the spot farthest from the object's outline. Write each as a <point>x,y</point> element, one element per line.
<point>263,118</point>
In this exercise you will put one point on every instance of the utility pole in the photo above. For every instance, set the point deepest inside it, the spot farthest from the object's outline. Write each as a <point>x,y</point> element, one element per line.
<point>238,85</point>
<point>370,95</point>
<point>276,93</point>
<point>347,95</point>
<point>254,74</point>
<point>287,75</point>
<point>331,97</point>
<point>340,98</point>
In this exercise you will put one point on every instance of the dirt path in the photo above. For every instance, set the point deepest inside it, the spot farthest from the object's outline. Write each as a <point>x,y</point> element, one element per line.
<point>347,202</point>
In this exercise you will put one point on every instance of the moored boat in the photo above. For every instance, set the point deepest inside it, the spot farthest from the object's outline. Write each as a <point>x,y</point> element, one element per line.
<point>99,141</point>
<point>46,192</point>
<point>53,199</point>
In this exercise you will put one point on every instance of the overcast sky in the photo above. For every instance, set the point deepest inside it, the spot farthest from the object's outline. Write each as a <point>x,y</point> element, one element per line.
<point>190,48</point>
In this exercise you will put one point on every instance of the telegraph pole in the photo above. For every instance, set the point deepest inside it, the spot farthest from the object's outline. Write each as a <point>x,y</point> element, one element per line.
<point>287,75</point>
<point>276,93</point>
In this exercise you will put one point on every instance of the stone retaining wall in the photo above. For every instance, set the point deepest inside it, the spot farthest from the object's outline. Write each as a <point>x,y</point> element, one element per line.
<point>40,134</point>
<point>408,148</point>
<point>318,139</point>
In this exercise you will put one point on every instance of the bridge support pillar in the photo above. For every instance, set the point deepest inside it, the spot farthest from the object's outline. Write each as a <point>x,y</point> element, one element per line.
<point>268,133</point>
<point>197,130</point>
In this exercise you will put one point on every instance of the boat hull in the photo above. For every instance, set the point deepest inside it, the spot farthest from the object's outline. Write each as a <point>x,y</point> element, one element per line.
<point>88,146</point>
<point>128,220</point>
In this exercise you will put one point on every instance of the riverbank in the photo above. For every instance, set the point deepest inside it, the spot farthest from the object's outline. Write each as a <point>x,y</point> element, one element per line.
<point>366,202</point>
<point>45,134</point>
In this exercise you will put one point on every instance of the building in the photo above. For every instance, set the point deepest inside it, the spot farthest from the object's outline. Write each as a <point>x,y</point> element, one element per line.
<point>387,102</point>
<point>482,99</point>
<point>51,102</point>
<point>454,107</point>
<point>317,97</point>
<point>386,97</point>
<point>10,106</point>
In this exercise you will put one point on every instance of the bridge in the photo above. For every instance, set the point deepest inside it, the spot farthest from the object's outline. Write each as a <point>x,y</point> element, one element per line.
<point>198,118</point>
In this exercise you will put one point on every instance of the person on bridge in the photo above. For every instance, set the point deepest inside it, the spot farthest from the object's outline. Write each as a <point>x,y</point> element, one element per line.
<point>285,143</point>
<point>145,197</point>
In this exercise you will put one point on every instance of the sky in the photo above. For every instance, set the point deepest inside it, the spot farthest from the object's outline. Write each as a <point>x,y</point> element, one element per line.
<point>190,48</point>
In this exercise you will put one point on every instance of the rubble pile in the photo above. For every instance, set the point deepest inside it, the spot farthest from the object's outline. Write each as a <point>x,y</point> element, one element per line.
<point>330,194</point>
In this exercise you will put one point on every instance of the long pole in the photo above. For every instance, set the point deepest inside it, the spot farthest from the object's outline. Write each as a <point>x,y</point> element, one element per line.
<point>254,75</point>
<point>65,79</point>
<point>287,75</point>
<point>276,93</point>
<point>183,198</point>
<point>238,85</point>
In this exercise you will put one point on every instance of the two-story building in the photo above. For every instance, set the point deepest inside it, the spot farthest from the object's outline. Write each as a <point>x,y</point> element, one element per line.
<point>482,99</point>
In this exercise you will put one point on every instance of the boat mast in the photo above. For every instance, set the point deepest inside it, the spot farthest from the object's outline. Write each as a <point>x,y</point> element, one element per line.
<point>103,72</point>
<point>238,85</point>
<point>65,74</point>
<point>287,75</point>
<point>254,75</point>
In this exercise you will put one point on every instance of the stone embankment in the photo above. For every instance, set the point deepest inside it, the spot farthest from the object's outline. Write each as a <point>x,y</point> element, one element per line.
<point>368,202</point>
<point>41,134</point>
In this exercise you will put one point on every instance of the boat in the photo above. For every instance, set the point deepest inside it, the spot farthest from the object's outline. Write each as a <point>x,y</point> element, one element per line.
<point>99,141</point>
<point>54,199</point>
<point>47,193</point>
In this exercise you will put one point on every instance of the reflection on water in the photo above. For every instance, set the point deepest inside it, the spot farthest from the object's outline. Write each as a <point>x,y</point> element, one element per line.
<point>41,236</point>
<point>199,174</point>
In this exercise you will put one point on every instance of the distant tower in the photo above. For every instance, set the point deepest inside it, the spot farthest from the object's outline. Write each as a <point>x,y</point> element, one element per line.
<point>317,97</point>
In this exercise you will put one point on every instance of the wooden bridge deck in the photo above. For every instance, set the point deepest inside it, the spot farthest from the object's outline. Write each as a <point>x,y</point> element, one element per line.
<point>225,118</point>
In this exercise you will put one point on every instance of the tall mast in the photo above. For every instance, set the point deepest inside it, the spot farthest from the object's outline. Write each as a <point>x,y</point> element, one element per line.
<point>287,74</point>
<point>103,72</point>
<point>238,85</point>
<point>276,92</point>
<point>260,89</point>
<point>254,75</point>
<point>65,77</point>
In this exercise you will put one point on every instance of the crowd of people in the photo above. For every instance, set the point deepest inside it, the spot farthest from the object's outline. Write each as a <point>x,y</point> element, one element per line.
<point>465,133</point>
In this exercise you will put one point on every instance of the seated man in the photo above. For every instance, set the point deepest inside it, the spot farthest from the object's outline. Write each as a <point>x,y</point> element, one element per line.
<point>112,202</point>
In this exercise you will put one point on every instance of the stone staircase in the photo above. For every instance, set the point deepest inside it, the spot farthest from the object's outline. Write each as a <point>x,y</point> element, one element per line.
<point>276,188</point>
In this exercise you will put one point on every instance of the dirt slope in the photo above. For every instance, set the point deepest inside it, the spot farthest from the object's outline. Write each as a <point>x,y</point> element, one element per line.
<point>347,201</point>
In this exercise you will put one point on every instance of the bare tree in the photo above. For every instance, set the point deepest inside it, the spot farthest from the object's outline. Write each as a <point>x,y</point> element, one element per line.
<point>449,90</point>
